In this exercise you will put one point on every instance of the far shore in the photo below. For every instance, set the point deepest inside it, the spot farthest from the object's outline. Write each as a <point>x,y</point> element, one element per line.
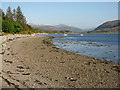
<point>33,62</point>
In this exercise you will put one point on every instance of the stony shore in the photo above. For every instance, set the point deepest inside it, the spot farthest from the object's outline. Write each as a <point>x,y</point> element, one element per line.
<point>33,62</point>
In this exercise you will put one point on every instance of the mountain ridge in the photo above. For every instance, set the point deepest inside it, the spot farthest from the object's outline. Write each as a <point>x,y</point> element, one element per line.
<point>60,27</point>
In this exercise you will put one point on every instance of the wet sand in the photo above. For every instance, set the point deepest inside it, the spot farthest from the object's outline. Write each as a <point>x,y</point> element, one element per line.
<point>33,62</point>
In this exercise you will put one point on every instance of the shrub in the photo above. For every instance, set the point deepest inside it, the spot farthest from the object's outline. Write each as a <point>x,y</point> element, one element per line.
<point>29,33</point>
<point>7,26</point>
<point>17,27</point>
<point>11,27</point>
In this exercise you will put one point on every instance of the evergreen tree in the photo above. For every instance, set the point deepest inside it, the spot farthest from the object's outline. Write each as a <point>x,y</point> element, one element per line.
<point>14,15</point>
<point>2,15</point>
<point>20,17</point>
<point>14,22</point>
<point>0,12</point>
<point>9,15</point>
<point>0,20</point>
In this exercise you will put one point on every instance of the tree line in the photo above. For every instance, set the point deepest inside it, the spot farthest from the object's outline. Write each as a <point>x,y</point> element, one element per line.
<point>13,21</point>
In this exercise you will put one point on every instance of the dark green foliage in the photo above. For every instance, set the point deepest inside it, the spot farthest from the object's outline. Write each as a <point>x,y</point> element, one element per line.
<point>11,26</point>
<point>7,26</point>
<point>17,27</point>
<point>29,26</point>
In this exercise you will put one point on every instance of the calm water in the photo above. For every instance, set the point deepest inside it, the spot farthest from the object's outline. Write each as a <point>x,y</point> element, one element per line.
<point>102,46</point>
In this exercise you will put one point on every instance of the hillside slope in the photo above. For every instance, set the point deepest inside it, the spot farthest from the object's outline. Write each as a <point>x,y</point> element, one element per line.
<point>108,27</point>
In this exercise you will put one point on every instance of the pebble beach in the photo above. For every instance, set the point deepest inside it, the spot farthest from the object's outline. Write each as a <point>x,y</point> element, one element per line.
<point>29,61</point>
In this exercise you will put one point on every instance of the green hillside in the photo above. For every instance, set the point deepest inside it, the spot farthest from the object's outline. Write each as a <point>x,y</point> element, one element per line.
<point>108,27</point>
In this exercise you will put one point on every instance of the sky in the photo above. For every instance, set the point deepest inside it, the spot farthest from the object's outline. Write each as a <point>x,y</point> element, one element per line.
<point>83,15</point>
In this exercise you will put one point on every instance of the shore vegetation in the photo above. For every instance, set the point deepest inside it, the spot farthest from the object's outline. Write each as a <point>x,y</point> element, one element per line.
<point>14,22</point>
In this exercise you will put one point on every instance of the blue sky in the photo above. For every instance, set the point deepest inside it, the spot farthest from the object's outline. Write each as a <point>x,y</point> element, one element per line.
<point>80,14</point>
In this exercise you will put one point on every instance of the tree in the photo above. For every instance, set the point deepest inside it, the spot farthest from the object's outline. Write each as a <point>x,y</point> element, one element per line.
<point>0,20</point>
<point>14,22</point>
<point>9,15</point>
<point>11,26</point>
<point>2,15</point>
<point>7,26</point>
<point>0,12</point>
<point>14,15</point>
<point>17,27</point>
<point>20,17</point>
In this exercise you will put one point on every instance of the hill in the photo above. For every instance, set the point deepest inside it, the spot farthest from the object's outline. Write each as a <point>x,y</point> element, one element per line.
<point>60,27</point>
<point>108,27</point>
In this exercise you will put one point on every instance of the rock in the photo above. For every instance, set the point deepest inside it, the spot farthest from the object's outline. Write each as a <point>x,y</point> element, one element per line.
<point>94,62</point>
<point>116,68</point>
<point>20,67</point>
<point>37,81</point>
<point>8,49</point>
<point>20,70</point>
<point>8,61</point>
<point>51,79</point>
<point>8,54</point>
<point>67,77</point>
<point>45,83</point>
<point>9,72</point>
<point>105,62</point>
<point>10,39</point>
<point>57,51</point>
<point>62,62</point>
<point>56,57</point>
<point>73,79</point>
<point>2,52</point>
<point>107,71</point>
<point>56,80</point>
<point>25,73</point>
<point>27,67</point>
<point>12,54</point>
<point>88,63</point>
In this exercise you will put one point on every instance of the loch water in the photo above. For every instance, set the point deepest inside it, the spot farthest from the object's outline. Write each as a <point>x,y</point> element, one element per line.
<point>101,46</point>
